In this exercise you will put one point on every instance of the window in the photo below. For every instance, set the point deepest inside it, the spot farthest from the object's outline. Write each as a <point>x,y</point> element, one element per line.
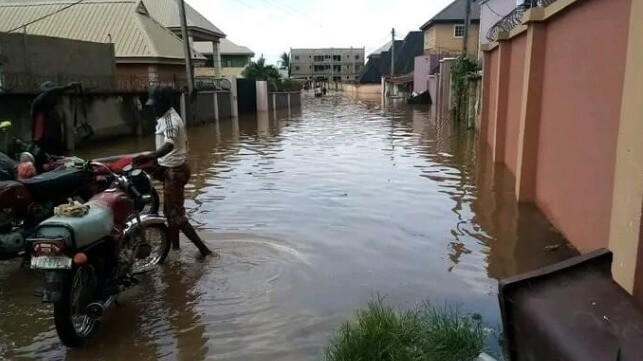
<point>337,68</point>
<point>337,78</point>
<point>357,57</point>
<point>337,58</point>
<point>318,58</point>
<point>228,64</point>
<point>358,67</point>
<point>327,57</point>
<point>296,68</point>
<point>296,57</point>
<point>458,31</point>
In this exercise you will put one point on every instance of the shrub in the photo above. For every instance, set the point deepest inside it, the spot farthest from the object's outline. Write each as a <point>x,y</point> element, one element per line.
<point>428,333</point>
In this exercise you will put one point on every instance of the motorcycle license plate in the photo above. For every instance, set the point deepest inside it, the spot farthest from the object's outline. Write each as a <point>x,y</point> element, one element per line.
<point>50,262</point>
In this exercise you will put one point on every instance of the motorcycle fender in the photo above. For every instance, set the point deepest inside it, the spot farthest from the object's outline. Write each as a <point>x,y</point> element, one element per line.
<point>146,220</point>
<point>52,286</point>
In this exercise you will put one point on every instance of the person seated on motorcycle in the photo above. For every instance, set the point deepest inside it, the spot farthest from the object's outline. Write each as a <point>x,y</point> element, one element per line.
<point>49,131</point>
<point>171,154</point>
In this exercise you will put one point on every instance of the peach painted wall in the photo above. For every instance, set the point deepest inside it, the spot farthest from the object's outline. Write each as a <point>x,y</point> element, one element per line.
<point>584,67</point>
<point>516,75</point>
<point>493,96</point>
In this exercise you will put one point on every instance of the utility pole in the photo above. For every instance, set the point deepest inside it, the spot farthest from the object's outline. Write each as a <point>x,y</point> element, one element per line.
<point>392,52</point>
<point>465,36</point>
<point>186,47</point>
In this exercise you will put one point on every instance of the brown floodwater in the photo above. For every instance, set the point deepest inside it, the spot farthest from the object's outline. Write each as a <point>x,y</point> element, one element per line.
<point>314,213</point>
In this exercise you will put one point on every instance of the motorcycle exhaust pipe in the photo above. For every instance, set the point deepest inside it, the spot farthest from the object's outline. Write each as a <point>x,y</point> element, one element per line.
<point>96,310</point>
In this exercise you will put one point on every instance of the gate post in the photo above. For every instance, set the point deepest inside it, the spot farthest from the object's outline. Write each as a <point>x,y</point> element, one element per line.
<point>234,104</point>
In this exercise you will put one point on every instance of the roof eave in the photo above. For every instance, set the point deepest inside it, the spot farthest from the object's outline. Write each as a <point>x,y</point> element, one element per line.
<point>431,22</point>
<point>200,31</point>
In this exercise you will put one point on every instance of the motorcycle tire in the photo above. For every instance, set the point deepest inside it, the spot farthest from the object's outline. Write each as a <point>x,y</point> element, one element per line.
<point>163,251</point>
<point>68,333</point>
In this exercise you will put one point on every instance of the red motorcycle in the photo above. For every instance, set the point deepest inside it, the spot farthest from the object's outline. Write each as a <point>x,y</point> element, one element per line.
<point>90,259</point>
<point>25,203</point>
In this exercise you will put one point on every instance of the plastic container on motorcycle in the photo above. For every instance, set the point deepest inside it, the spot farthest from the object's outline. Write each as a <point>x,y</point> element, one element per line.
<point>79,232</point>
<point>15,195</point>
<point>118,201</point>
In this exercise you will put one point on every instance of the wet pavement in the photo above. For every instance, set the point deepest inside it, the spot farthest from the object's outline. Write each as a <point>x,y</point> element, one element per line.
<point>314,213</point>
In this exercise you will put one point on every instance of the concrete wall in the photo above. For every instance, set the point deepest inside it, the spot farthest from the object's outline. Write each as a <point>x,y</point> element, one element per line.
<point>514,101</point>
<point>29,60</point>
<point>554,99</point>
<point>137,77</point>
<point>109,115</point>
<point>362,89</point>
<point>579,120</point>
<point>440,39</point>
<point>424,66</point>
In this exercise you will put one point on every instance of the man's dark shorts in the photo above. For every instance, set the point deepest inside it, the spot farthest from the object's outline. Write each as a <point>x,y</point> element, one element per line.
<point>174,181</point>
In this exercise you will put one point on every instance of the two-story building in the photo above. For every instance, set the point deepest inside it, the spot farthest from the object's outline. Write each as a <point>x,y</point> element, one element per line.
<point>329,64</point>
<point>234,58</point>
<point>444,33</point>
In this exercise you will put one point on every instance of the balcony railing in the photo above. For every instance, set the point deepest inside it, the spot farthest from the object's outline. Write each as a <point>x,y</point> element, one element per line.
<point>514,18</point>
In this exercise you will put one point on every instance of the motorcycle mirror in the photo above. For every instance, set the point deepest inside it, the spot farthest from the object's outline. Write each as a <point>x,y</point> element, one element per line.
<point>128,168</point>
<point>136,172</point>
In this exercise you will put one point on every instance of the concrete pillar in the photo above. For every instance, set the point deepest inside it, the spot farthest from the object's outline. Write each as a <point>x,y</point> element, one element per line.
<point>274,101</point>
<point>216,106</point>
<point>184,114</point>
<point>530,113</point>
<point>500,116</point>
<point>234,103</point>
<point>289,103</point>
<point>216,57</point>
<point>262,96</point>
<point>383,91</point>
<point>486,84</point>
<point>625,227</point>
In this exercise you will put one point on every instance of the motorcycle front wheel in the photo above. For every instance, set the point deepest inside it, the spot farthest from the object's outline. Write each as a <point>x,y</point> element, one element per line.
<point>154,250</point>
<point>73,324</point>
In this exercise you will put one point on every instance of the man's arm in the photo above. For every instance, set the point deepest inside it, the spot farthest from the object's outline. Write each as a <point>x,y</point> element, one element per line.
<point>43,98</point>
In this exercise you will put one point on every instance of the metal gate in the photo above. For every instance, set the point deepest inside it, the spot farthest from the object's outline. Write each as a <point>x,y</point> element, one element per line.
<point>247,95</point>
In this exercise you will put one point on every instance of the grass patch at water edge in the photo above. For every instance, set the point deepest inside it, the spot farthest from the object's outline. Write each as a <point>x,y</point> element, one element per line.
<point>427,333</point>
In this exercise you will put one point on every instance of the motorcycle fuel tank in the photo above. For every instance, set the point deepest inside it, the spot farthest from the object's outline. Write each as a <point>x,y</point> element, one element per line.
<point>120,203</point>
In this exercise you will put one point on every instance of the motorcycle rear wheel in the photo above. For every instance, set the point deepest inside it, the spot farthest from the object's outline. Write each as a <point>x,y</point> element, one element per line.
<point>73,325</point>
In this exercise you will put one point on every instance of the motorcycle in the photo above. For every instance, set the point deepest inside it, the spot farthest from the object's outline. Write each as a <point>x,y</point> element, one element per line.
<point>25,203</point>
<point>89,260</point>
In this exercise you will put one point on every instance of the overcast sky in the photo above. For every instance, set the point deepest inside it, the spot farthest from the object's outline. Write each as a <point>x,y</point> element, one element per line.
<point>270,27</point>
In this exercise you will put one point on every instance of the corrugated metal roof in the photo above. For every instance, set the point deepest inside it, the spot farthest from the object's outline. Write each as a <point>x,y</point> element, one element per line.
<point>226,47</point>
<point>134,33</point>
<point>167,13</point>
<point>455,12</point>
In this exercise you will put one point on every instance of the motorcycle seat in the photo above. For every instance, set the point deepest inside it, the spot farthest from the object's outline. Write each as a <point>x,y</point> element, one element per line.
<point>57,184</point>
<point>93,226</point>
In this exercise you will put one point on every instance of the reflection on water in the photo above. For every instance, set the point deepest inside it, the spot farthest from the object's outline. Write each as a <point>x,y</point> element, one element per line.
<point>313,213</point>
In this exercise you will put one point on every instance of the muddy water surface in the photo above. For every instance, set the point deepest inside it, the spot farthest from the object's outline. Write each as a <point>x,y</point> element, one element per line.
<point>313,213</point>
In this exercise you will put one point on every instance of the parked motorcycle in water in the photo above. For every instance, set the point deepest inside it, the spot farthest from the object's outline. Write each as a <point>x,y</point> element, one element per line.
<point>89,260</point>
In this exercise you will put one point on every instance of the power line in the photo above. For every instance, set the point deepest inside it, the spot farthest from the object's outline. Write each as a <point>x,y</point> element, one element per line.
<point>493,11</point>
<point>46,16</point>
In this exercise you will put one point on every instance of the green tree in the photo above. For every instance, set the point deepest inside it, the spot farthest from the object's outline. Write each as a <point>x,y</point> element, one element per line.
<point>286,63</point>
<point>260,71</point>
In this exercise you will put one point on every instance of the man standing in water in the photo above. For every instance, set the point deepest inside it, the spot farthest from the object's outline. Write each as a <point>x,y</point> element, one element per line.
<point>171,153</point>
<point>49,131</point>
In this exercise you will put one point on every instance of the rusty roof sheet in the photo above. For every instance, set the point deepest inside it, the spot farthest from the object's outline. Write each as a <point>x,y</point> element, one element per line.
<point>126,23</point>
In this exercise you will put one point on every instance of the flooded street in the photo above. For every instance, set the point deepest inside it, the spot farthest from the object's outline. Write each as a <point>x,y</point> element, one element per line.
<point>314,213</point>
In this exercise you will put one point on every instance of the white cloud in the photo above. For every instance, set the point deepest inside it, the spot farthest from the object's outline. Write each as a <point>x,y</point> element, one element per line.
<point>271,27</point>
